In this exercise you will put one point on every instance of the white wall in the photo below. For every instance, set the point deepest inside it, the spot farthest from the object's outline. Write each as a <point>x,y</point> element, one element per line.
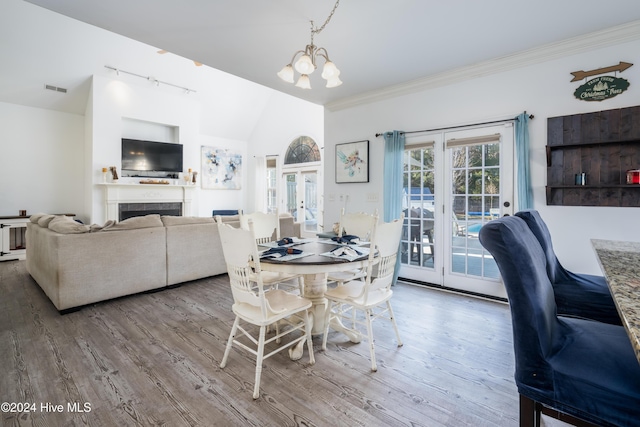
<point>283,119</point>
<point>544,90</point>
<point>115,100</point>
<point>41,156</point>
<point>278,126</point>
<point>52,161</point>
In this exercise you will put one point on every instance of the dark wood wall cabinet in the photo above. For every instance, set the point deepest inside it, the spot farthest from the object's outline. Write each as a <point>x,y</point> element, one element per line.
<point>603,145</point>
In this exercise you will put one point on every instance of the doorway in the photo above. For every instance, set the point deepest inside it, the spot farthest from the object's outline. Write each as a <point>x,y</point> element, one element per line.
<point>301,198</point>
<point>454,183</point>
<point>302,185</point>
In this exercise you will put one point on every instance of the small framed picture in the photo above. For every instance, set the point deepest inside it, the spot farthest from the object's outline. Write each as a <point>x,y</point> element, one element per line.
<point>352,162</point>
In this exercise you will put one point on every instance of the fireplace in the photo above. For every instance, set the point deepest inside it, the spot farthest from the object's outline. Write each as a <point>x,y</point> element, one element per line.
<point>139,199</point>
<point>129,210</point>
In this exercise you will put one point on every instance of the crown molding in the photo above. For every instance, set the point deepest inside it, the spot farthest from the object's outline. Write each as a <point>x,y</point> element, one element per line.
<point>611,36</point>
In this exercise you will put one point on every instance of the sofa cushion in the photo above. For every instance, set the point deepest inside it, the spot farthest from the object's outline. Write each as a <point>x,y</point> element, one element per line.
<point>230,218</point>
<point>67,225</point>
<point>45,220</point>
<point>169,220</point>
<point>146,221</point>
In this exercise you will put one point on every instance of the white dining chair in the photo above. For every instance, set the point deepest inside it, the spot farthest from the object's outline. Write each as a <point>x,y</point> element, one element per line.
<point>266,227</point>
<point>371,294</point>
<point>255,306</point>
<point>359,224</point>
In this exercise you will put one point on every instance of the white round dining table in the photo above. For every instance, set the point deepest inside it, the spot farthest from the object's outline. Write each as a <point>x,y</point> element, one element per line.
<point>314,270</point>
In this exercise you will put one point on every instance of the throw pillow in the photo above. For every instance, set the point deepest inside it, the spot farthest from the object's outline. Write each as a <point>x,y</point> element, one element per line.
<point>35,217</point>
<point>67,225</point>
<point>146,221</point>
<point>45,220</point>
<point>96,227</point>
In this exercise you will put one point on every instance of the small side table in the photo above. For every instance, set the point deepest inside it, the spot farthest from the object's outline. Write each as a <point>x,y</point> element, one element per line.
<point>13,240</point>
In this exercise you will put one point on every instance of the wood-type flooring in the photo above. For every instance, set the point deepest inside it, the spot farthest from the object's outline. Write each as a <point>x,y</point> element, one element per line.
<point>153,359</point>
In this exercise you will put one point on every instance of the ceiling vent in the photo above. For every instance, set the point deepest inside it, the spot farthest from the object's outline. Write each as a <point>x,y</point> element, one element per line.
<point>55,88</point>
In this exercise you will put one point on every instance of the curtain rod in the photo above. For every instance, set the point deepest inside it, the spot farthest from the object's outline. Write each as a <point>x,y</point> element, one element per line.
<point>531,116</point>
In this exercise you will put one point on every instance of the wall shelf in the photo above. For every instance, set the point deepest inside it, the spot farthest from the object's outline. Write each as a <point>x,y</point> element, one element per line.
<point>604,145</point>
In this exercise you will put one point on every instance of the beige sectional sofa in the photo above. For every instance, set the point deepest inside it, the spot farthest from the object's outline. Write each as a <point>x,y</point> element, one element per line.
<point>77,264</point>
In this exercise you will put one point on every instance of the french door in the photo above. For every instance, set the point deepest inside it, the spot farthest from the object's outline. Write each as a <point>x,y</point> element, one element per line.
<point>301,198</point>
<point>455,182</point>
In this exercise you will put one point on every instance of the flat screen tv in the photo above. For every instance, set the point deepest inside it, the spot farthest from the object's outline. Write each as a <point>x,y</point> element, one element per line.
<point>150,158</point>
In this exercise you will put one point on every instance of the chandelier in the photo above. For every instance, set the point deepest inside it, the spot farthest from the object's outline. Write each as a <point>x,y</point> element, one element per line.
<point>307,62</point>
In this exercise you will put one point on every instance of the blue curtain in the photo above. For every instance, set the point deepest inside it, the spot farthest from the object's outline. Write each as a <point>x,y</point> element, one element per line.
<point>523,181</point>
<point>392,175</point>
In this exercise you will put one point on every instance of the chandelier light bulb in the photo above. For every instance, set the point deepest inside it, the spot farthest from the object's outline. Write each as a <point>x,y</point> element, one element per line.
<point>304,65</point>
<point>304,82</point>
<point>286,73</point>
<point>329,70</point>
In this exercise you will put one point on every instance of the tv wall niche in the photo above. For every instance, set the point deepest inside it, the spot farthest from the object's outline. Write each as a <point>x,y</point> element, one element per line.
<point>152,149</point>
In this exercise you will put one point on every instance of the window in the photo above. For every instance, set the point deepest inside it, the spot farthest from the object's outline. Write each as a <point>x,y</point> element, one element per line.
<point>302,150</point>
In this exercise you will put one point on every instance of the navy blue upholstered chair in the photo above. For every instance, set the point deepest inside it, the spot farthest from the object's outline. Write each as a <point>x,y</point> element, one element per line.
<point>579,295</point>
<point>224,212</point>
<point>571,368</point>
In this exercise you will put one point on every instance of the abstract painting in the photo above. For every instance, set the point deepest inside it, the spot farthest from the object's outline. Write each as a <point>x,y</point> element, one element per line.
<point>352,162</point>
<point>221,169</point>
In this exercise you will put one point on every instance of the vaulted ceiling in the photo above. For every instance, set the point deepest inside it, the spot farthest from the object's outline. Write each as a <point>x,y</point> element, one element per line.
<point>379,45</point>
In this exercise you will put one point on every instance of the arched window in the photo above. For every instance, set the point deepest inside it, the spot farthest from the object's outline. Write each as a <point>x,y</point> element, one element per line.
<point>302,150</point>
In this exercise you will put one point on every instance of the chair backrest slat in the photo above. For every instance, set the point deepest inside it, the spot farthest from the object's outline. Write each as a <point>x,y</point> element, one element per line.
<point>265,225</point>
<point>357,224</point>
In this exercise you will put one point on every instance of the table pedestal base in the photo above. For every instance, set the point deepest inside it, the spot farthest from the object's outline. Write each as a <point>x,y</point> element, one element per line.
<point>315,286</point>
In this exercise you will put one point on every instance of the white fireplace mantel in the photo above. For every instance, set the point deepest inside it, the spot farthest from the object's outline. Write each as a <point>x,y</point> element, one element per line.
<point>116,193</point>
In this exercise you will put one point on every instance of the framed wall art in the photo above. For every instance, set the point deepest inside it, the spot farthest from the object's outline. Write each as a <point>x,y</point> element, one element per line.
<point>352,162</point>
<point>221,169</point>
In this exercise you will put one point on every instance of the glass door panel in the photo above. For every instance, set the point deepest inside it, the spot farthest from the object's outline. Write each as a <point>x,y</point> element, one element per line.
<point>301,199</point>
<point>420,255</point>
<point>291,193</point>
<point>480,179</point>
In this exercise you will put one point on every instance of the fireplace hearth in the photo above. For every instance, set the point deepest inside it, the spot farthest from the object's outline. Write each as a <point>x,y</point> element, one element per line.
<point>129,210</point>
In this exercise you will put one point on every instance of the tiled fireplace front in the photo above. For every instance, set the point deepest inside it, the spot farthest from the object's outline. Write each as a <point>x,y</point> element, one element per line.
<point>129,210</point>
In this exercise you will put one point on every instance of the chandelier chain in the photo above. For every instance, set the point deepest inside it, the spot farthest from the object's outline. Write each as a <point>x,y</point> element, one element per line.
<point>317,30</point>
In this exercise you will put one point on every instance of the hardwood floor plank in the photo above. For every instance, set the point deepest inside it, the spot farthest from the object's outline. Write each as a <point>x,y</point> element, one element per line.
<point>154,359</point>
